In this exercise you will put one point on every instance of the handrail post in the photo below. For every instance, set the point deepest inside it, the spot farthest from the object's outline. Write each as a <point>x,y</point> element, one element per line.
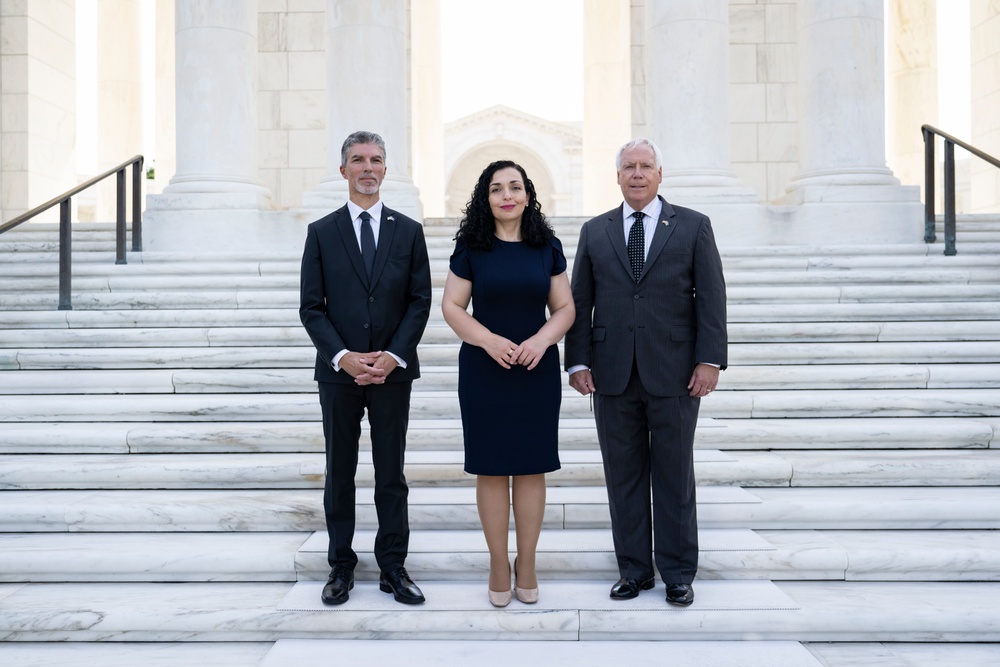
<point>137,206</point>
<point>65,257</point>
<point>929,194</point>
<point>949,198</point>
<point>120,219</point>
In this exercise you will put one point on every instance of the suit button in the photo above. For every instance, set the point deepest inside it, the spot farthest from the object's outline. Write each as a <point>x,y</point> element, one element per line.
<point>366,325</point>
<point>371,299</point>
<point>635,296</point>
<point>630,327</point>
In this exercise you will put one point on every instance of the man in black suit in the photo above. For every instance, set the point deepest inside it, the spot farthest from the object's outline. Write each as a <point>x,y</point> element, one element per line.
<point>365,299</point>
<point>648,341</point>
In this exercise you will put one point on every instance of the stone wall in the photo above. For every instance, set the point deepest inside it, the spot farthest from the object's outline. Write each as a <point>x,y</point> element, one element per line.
<point>292,97</point>
<point>762,94</point>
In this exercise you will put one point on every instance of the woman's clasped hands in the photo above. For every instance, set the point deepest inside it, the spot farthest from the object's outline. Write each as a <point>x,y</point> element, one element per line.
<point>507,353</point>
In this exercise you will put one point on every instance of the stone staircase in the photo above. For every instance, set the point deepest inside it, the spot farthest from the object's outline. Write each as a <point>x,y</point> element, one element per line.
<point>161,474</point>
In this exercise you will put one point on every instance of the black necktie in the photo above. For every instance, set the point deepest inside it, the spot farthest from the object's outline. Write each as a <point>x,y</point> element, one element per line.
<point>367,243</point>
<point>637,245</point>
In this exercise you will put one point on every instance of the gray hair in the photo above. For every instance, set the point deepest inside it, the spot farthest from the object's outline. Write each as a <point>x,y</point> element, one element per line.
<point>360,137</point>
<point>635,143</point>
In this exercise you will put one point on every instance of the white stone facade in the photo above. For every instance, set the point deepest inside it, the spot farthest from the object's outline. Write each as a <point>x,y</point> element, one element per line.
<point>717,83</point>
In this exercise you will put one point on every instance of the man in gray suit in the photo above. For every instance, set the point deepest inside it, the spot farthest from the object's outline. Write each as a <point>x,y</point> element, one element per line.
<point>648,342</point>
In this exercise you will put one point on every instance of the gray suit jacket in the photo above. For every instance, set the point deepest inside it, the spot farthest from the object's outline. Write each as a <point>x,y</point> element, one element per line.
<point>341,310</point>
<point>672,319</point>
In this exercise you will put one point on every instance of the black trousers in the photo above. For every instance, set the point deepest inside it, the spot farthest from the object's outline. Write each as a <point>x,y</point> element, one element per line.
<point>388,408</point>
<point>647,442</point>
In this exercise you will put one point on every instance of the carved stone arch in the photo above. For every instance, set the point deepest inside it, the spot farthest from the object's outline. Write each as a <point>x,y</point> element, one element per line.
<point>468,168</point>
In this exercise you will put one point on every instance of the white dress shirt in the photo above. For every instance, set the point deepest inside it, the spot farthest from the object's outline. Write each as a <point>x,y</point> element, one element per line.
<point>376,222</point>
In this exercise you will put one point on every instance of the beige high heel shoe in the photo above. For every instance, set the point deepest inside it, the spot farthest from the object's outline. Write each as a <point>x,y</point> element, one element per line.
<point>500,598</point>
<point>525,595</point>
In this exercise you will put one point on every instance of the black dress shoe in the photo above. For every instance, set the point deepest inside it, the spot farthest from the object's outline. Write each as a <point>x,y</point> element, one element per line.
<point>398,583</point>
<point>680,594</point>
<point>338,586</point>
<point>626,589</point>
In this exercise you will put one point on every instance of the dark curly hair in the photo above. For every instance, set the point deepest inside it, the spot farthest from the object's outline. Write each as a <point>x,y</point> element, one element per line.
<point>477,227</point>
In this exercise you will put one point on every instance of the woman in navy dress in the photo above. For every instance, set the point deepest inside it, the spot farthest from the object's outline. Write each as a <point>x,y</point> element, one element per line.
<point>511,267</point>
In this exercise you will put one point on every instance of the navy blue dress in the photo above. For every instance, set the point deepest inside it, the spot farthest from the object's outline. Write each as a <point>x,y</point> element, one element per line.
<point>510,418</point>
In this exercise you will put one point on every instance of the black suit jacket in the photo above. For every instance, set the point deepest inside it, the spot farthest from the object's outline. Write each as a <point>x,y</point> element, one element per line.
<point>340,309</point>
<point>672,319</point>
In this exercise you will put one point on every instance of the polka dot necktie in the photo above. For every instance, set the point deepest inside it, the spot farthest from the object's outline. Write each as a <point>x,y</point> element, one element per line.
<point>367,243</point>
<point>637,245</point>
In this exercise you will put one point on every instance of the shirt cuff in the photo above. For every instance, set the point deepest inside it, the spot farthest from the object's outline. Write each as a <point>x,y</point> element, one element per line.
<point>574,369</point>
<point>402,364</point>
<point>336,360</point>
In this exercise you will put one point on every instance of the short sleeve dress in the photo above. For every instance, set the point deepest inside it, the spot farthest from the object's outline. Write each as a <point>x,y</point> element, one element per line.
<point>510,418</point>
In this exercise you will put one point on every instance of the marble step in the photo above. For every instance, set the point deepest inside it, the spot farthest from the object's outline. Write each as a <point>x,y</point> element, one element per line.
<point>97,263</point>
<point>45,248</point>
<point>444,378</point>
<point>40,249</point>
<point>309,652</point>
<point>254,297</point>
<point>259,510</point>
<point>458,555</point>
<point>187,277</point>
<point>881,433</point>
<point>293,334</point>
<point>827,468</point>
<point>461,555</point>
<point>833,315</point>
<point>730,554</point>
<point>786,611</point>
<point>304,652</point>
<point>446,354</point>
<point>901,654</point>
<point>148,654</point>
<point>444,404</point>
<point>423,468</point>
<point>50,246</point>
<point>910,261</point>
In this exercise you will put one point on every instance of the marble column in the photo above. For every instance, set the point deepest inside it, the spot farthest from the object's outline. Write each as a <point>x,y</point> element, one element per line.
<point>119,94</point>
<point>215,200</point>
<point>844,192</point>
<point>216,77</point>
<point>841,96</point>
<point>165,112</point>
<point>606,99</point>
<point>687,93</point>
<point>38,112</point>
<point>367,46</point>
<point>428,123</point>
<point>912,84</point>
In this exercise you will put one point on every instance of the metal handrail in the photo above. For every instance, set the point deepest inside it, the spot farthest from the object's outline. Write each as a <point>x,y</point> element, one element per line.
<point>950,142</point>
<point>65,239</point>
